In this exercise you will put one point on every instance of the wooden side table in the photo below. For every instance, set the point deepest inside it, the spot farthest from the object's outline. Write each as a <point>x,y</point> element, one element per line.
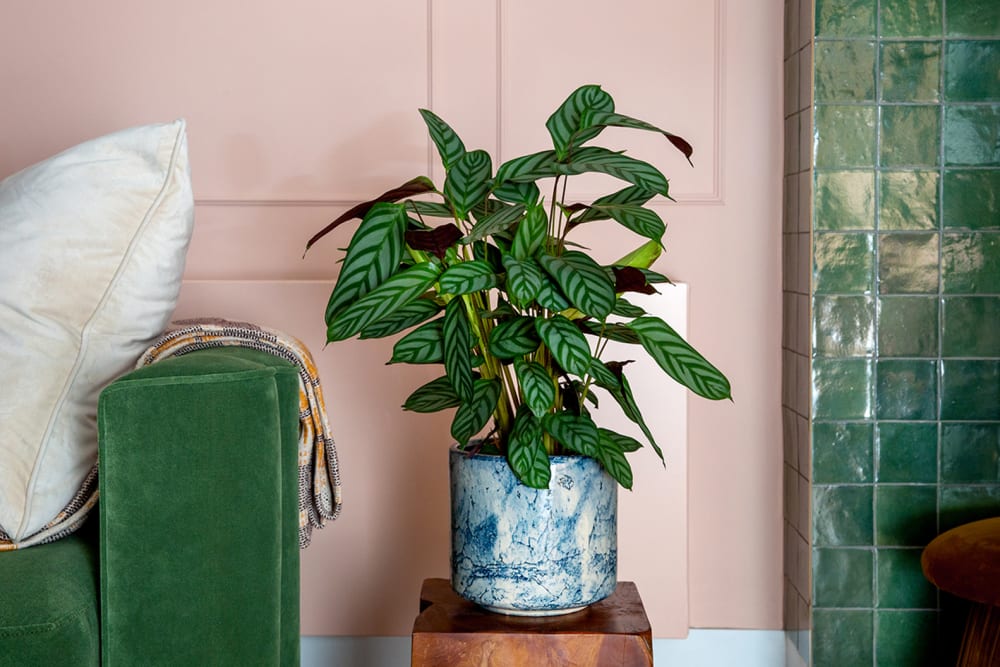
<point>452,632</point>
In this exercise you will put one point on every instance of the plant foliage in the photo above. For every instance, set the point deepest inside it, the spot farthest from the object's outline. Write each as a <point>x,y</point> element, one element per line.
<point>515,314</point>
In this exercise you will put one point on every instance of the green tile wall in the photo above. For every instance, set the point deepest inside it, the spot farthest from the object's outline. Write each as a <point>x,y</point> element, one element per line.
<point>904,395</point>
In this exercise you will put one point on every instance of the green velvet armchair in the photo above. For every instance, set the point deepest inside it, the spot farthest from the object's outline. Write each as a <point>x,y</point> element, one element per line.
<point>192,557</point>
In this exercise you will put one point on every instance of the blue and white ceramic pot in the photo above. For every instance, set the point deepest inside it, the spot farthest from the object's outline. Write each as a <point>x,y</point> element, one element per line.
<point>532,552</point>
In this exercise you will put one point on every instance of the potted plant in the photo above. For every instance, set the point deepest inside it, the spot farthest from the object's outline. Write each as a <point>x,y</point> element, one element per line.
<point>484,275</point>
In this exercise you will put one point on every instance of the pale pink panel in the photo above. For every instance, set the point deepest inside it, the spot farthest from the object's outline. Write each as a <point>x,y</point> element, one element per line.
<point>292,100</point>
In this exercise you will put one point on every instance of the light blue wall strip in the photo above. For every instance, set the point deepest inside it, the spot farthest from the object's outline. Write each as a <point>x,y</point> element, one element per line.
<point>702,648</point>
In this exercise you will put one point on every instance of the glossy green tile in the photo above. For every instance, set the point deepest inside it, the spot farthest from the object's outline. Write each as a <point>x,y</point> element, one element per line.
<point>842,389</point>
<point>908,263</point>
<point>909,200</point>
<point>905,516</point>
<point>961,504</point>
<point>906,638</point>
<point>971,199</point>
<point>842,516</point>
<point>842,638</point>
<point>910,18</point>
<point>844,200</point>
<point>842,453</point>
<point>977,18</point>
<point>845,136</point>
<point>844,326</point>
<point>911,71</point>
<point>968,68</point>
<point>907,452</point>
<point>845,18</point>
<point>970,326</point>
<point>906,389</point>
<point>970,453</point>
<point>901,582</point>
<point>970,263</point>
<point>910,136</point>
<point>970,390</point>
<point>972,135</point>
<point>843,263</point>
<point>844,71</point>
<point>908,326</point>
<point>843,578</point>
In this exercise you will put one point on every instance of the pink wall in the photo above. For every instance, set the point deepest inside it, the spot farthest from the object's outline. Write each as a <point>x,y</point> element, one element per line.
<point>298,109</point>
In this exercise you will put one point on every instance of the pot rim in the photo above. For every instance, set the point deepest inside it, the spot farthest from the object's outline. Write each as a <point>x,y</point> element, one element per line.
<point>554,458</point>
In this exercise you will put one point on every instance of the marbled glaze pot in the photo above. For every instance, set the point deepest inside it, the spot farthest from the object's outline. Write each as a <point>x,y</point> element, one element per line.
<point>532,552</point>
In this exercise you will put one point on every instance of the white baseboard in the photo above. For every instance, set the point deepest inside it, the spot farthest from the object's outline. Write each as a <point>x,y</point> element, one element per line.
<point>701,648</point>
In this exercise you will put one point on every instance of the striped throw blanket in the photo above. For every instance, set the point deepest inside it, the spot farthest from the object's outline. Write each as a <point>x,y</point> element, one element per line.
<point>319,472</point>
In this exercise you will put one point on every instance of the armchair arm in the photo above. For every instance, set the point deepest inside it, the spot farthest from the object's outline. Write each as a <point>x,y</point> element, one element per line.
<point>199,512</point>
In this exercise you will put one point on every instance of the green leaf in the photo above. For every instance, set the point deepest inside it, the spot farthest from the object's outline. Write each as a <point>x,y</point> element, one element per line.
<point>468,181</point>
<point>642,257</point>
<point>405,317</point>
<point>604,377</point>
<point>583,281</point>
<point>372,256</point>
<point>431,209</point>
<point>612,457</point>
<point>423,345</point>
<point>633,195</point>
<point>526,451</point>
<point>473,414</point>
<point>623,396</point>
<point>457,348</point>
<point>625,309</point>
<point>681,361</point>
<point>642,221</point>
<point>566,343</point>
<point>466,277</point>
<point>434,396</point>
<point>576,432</point>
<point>517,193</point>
<point>494,224</point>
<point>524,279</point>
<point>606,118</point>
<point>537,386</point>
<point>601,160</point>
<point>528,168</point>
<point>448,143</point>
<point>385,299</point>
<point>530,233</point>
<point>619,333</point>
<point>551,298</point>
<point>622,442</point>
<point>566,124</point>
<point>514,338</point>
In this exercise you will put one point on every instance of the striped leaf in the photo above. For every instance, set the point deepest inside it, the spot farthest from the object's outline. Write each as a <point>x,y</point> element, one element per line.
<point>623,442</point>
<point>407,316</point>
<point>619,333</point>
<point>531,233</point>
<point>372,256</point>
<point>514,338</point>
<point>457,348</point>
<point>623,396</point>
<point>653,277</point>
<point>625,309</point>
<point>583,281</point>
<point>566,343</point>
<point>528,168</point>
<point>495,223</point>
<point>633,195</point>
<point>681,361</point>
<point>448,143</point>
<point>397,291</point>
<point>423,345</point>
<point>466,277</point>
<point>566,124</point>
<point>524,279</point>
<point>642,221</point>
<point>612,457</point>
<point>575,432</point>
<point>537,386</point>
<point>473,414</point>
<point>607,118</point>
<point>431,209</point>
<point>434,396</point>
<point>601,160</point>
<point>526,451</point>
<point>602,376</point>
<point>517,193</point>
<point>551,298</point>
<point>468,181</point>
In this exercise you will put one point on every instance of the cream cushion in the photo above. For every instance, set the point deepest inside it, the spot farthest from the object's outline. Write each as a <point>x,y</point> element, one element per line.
<point>92,248</point>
